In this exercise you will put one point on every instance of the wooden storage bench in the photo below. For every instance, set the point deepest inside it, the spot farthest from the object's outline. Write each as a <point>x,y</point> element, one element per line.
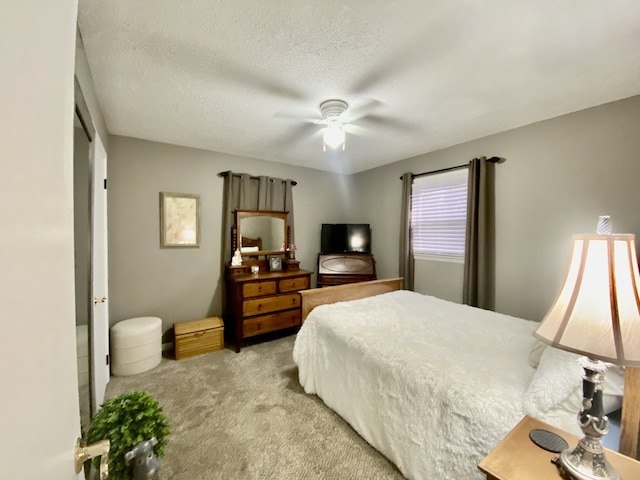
<point>198,336</point>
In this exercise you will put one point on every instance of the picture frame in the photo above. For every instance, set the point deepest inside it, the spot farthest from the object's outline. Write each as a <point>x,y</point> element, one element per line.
<point>179,220</point>
<point>275,263</point>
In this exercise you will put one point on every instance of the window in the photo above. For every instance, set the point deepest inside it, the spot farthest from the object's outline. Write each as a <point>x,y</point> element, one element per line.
<point>439,215</point>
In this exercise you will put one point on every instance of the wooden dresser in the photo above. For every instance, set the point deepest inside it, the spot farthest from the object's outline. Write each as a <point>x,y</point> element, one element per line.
<point>263,302</point>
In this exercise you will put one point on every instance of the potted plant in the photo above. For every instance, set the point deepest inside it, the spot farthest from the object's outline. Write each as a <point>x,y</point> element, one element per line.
<point>127,420</point>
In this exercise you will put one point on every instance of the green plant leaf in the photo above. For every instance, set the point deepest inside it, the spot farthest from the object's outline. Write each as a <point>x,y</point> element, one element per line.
<point>125,421</point>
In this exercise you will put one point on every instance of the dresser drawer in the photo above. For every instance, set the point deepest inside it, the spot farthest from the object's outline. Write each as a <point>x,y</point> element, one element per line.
<point>271,322</point>
<point>293,284</point>
<point>263,302</point>
<point>258,306</point>
<point>258,289</point>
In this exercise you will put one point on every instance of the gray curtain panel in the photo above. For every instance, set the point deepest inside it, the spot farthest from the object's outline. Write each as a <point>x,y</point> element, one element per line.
<point>406,255</point>
<point>242,191</point>
<point>479,264</point>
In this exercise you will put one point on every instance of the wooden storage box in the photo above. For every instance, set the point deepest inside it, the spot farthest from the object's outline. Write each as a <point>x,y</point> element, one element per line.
<point>198,336</point>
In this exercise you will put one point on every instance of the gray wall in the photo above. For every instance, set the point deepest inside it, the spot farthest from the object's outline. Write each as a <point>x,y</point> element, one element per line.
<point>560,174</point>
<point>185,284</point>
<point>440,279</point>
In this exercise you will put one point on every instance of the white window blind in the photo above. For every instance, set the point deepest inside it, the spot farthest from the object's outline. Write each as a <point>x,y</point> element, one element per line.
<point>439,214</point>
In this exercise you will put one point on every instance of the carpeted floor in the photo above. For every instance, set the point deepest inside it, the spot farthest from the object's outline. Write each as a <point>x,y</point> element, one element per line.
<point>245,416</point>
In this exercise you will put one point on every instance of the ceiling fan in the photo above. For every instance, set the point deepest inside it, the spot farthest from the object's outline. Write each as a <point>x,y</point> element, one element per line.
<point>338,119</point>
<point>333,134</point>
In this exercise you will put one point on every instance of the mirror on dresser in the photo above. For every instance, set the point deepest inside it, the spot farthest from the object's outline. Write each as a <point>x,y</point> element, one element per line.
<point>259,232</point>
<point>261,297</point>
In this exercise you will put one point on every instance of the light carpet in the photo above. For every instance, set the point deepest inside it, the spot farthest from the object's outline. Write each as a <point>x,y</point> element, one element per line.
<point>245,416</point>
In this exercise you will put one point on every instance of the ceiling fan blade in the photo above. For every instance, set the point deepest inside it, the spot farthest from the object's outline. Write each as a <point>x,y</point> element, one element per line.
<point>308,116</point>
<point>359,110</point>
<point>355,129</point>
<point>204,63</point>
<point>400,60</point>
<point>378,121</point>
<point>298,133</point>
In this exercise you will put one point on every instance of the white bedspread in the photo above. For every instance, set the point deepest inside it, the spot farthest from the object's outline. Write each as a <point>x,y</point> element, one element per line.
<point>431,384</point>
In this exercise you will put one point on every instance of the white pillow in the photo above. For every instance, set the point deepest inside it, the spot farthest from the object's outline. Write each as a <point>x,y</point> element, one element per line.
<point>535,353</point>
<point>555,380</point>
<point>557,384</point>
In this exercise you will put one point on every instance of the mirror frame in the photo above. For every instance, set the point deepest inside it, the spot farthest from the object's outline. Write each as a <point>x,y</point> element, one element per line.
<point>87,399</point>
<point>236,232</point>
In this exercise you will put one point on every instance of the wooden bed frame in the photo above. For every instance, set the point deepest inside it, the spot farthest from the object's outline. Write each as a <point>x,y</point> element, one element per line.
<point>350,291</point>
<point>629,423</point>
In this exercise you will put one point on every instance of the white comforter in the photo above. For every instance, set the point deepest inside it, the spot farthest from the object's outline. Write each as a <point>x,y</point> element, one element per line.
<point>431,384</point>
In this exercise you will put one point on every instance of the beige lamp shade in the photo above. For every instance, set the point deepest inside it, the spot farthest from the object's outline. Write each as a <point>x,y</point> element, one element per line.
<point>597,312</point>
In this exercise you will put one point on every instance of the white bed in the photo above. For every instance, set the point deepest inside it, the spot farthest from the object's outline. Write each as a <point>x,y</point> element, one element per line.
<point>432,385</point>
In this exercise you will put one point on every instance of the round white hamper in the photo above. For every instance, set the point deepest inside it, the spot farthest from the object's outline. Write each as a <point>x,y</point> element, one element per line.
<point>136,345</point>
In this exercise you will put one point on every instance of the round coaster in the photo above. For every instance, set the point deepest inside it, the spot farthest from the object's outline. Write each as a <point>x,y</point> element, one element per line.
<point>548,440</point>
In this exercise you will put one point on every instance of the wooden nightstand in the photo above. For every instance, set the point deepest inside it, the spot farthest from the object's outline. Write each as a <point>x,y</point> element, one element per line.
<point>516,457</point>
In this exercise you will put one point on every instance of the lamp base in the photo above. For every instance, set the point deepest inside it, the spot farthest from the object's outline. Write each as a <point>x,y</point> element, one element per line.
<point>587,462</point>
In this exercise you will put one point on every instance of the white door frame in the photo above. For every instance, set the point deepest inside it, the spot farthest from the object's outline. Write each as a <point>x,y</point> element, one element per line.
<point>98,268</point>
<point>99,273</point>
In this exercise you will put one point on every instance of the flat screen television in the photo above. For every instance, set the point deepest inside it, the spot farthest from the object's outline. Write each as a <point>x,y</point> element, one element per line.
<point>345,238</point>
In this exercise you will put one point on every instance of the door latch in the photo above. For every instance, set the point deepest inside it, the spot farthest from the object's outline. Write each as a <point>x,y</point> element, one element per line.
<point>98,449</point>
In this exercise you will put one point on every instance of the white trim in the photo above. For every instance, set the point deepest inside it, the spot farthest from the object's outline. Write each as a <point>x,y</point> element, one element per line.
<point>439,258</point>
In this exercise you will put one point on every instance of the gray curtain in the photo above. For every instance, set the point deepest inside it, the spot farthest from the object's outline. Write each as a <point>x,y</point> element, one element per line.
<point>479,263</point>
<point>406,255</point>
<point>242,191</point>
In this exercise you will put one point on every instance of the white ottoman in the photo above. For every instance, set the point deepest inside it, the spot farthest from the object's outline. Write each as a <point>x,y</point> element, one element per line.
<point>136,345</point>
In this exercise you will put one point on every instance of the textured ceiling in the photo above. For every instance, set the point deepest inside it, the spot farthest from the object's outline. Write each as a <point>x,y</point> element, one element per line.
<point>246,77</point>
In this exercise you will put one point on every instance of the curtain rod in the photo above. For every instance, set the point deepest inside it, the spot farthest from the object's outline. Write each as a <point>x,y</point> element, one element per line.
<point>253,177</point>
<point>457,167</point>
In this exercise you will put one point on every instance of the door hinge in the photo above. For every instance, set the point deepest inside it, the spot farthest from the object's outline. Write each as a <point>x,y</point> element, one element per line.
<point>105,183</point>
<point>107,359</point>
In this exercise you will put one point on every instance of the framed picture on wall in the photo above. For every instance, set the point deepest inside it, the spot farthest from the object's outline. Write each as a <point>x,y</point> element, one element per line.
<point>179,220</point>
<point>274,262</point>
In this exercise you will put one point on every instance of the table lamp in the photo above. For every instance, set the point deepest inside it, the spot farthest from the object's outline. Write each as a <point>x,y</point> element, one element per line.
<point>596,314</point>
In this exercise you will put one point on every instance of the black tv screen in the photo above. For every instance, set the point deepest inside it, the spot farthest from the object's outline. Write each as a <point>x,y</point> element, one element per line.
<point>345,238</point>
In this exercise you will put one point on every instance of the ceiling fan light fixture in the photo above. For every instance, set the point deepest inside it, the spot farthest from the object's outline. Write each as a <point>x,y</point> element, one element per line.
<point>333,136</point>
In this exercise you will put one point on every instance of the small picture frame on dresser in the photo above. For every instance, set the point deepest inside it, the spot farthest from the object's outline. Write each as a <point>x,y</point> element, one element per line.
<point>275,263</point>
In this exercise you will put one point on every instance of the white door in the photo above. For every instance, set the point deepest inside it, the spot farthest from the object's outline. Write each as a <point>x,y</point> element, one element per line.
<point>100,318</point>
<point>38,372</point>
